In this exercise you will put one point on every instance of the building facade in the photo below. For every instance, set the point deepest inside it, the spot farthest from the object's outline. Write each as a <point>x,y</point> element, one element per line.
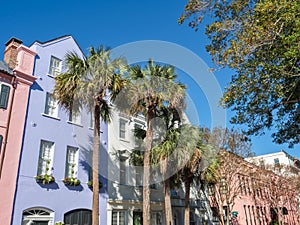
<point>15,80</point>
<point>56,148</point>
<point>251,195</point>
<point>125,182</point>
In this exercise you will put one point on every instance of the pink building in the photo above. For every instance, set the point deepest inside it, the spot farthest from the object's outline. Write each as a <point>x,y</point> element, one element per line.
<point>249,195</point>
<point>15,81</point>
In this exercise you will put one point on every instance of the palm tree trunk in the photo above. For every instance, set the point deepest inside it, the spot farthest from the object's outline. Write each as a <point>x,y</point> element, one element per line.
<point>168,207</point>
<point>146,184</point>
<point>95,209</point>
<point>187,185</point>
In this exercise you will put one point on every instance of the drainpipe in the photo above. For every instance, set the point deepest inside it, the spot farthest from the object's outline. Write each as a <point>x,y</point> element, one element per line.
<point>14,86</point>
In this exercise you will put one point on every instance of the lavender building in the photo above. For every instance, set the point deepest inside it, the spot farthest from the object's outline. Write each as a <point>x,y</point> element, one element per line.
<point>56,144</point>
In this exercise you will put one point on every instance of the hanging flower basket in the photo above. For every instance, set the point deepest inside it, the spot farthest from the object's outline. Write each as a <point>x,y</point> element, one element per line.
<point>71,181</point>
<point>44,179</point>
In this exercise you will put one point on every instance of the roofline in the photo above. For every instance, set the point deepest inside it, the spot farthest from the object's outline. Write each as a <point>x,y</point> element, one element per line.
<point>272,154</point>
<point>7,73</point>
<point>14,39</point>
<point>51,40</point>
<point>56,39</point>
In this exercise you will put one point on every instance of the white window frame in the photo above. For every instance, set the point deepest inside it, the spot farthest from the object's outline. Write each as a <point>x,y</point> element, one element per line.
<point>138,141</point>
<point>55,66</point>
<point>118,212</point>
<point>156,218</point>
<point>121,129</point>
<point>123,171</point>
<point>45,157</point>
<point>72,163</point>
<point>75,117</point>
<point>51,106</point>
<point>38,214</point>
<point>139,176</point>
<point>8,97</point>
<point>91,120</point>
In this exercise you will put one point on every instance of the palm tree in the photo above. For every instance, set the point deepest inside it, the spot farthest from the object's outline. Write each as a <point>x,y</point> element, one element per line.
<point>151,89</point>
<point>91,82</point>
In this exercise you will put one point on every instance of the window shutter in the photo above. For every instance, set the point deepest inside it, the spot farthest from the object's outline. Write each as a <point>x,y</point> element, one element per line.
<point>4,95</point>
<point>1,139</point>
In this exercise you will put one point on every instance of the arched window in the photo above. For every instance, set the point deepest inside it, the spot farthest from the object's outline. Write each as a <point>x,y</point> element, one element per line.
<point>78,217</point>
<point>37,216</point>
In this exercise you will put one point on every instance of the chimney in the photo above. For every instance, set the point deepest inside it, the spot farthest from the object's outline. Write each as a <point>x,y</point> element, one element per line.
<point>11,53</point>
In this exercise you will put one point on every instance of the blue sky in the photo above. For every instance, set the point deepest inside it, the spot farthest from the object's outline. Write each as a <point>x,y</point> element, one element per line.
<point>113,23</point>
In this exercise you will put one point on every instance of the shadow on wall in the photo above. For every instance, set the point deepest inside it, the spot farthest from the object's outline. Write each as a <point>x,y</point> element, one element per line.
<point>86,162</point>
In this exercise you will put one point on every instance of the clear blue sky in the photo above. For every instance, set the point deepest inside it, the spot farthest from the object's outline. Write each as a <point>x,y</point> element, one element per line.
<point>112,23</point>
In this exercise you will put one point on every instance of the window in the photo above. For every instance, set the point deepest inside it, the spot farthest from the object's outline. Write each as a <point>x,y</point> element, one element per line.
<point>51,105</point>
<point>138,134</point>
<point>4,96</point>
<point>137,217</point>
<point>122,129</point>
<point>122,171</point>
<point>75,117</point>
<point>1,139</point>
<point>92,120</point>
<point>37,216</point>
<point>192,218</point>
<point>245,211</point>
<point>211,189</point>
<point>45,158</point>
<point>78,216</point>
<point>118,217</point>
<point>71,162</point>
<point>156,218</point>
<point>276,161</point>
<point>55,66</point>
<point>215,214</point>
<point>223,186</point>
<point>138,176</point>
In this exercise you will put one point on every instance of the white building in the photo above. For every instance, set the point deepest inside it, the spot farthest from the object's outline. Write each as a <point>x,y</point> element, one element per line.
<point>125,190</point>
<point>276,160</point>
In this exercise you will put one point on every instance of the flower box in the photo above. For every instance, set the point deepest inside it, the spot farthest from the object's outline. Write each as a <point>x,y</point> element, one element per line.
<point>44,179</point>
<point>71,181</point>
<point>90,184</point>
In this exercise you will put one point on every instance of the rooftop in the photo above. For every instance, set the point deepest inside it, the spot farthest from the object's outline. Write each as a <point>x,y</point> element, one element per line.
<point>5,68</point>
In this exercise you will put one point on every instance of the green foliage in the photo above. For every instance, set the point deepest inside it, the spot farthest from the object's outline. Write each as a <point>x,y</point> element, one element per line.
<point>44,179</point>
<point>87,80</point>
<point>152,87</point>
<point>137,158</point>
<point>71,181</point>
<point>90,184</point>
<point>260,41</point>
<point>59,223</point>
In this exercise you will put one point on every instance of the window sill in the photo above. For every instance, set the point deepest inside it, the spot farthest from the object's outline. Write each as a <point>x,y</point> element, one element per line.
<point>49,116</point>
<point>124,140</point>
<point>76,124</point>
<point>50,75</point>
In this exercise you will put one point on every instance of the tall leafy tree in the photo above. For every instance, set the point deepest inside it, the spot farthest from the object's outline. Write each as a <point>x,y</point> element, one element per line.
<point>91,82</point>
<point>151,89</point>
<point>260,41</point>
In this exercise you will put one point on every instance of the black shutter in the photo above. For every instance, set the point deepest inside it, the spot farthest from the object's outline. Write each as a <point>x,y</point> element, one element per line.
<point>1,139</point>
<point>4,95</point>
